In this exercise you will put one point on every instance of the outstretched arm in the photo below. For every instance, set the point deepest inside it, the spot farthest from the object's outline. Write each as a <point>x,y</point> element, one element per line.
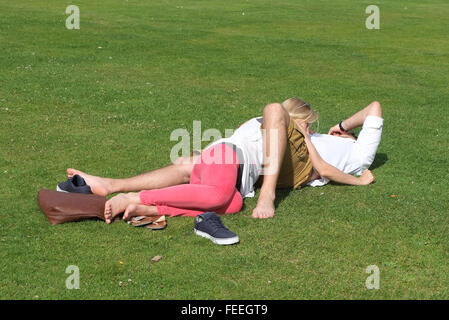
<point>357,119</point>
<point>330,172</point>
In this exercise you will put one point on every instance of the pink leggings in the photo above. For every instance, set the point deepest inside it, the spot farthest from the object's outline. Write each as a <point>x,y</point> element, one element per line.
<point>211,187</point>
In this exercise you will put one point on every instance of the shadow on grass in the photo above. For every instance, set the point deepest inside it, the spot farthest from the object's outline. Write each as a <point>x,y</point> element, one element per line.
<point>281,194</point>
<point>379,161</point>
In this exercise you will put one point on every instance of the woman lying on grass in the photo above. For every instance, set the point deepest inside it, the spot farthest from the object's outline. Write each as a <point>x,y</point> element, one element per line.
<point>226,171</point>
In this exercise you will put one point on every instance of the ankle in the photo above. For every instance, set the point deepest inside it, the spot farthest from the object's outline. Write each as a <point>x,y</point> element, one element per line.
<point>267,195</point>
<point>112,186</point>
<point>133,197</point>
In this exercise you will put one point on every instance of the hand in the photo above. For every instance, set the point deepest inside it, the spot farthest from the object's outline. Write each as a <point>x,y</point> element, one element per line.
<point>264,209</point>
<point>304,128</point>
<point>335,131</point>
<point>366,178</point>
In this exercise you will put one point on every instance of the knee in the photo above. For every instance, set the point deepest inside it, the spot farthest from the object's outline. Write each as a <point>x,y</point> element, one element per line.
<point>276,111</point>
<point>235,205</point>
<point>219,199</point>
<point>375,109</point>
<point>184,165</point>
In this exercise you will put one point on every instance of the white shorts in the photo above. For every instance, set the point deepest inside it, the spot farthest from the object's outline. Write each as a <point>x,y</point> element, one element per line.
<point>368,140</point>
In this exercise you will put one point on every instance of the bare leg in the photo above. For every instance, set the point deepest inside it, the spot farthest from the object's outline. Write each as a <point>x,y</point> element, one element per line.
<point>177,173</point>
<point>118,204</point>
<point>135,210</point>
<point>275,117</point>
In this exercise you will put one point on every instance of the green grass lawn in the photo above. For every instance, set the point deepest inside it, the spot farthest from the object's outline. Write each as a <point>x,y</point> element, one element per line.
<point>105,98</point>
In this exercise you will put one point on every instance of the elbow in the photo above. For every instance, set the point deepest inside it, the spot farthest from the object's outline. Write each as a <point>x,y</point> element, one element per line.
<point>323,171</point>
<point>326,175</point>
<point>375,109</point>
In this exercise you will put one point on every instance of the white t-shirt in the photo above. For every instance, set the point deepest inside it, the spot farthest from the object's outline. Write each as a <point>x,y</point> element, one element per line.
<point>248,138</point>
<point>348,155</point>
<point>338,152</point>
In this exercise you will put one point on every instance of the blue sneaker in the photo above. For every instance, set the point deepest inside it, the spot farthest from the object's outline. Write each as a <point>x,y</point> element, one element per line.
<point>74,184</point>
<point>209,226</point>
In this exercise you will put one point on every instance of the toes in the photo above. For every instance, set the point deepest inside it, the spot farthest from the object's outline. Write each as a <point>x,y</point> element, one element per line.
<point>107,212</point>
<point>126,214</point>
<point>129,211</point>
<point>107,207</point>
<point>71,172</point>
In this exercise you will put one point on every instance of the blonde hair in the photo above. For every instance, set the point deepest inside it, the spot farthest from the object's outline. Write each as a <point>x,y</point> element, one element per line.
<point>300,110</point>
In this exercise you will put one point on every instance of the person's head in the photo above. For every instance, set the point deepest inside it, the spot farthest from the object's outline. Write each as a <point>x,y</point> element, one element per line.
<point>300,111</point>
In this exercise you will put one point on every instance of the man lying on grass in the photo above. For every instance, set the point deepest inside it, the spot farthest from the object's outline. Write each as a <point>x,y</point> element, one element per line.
<point>197,184</point>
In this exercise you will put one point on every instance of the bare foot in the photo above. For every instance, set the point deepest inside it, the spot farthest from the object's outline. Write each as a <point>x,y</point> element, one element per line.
<point>264,209</point>
<point>118,204</point>
<point>135,210</point>
<point>98,185</point>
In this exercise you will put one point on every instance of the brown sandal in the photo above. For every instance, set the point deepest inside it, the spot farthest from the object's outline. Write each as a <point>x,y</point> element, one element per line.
<point>151,222</point>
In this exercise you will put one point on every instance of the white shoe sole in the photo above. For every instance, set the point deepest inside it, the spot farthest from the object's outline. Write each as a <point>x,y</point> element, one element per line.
<point>219,241</point>
<point>60,190</point>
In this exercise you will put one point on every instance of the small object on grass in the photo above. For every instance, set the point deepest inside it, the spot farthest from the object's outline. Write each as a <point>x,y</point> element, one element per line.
<point>208,225</point>
<point>75,184</point>
<point>159,224</point>
<point>151,222</point>
<point>156,258</point>
<point>140,221</point>
<point>61,207</point>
